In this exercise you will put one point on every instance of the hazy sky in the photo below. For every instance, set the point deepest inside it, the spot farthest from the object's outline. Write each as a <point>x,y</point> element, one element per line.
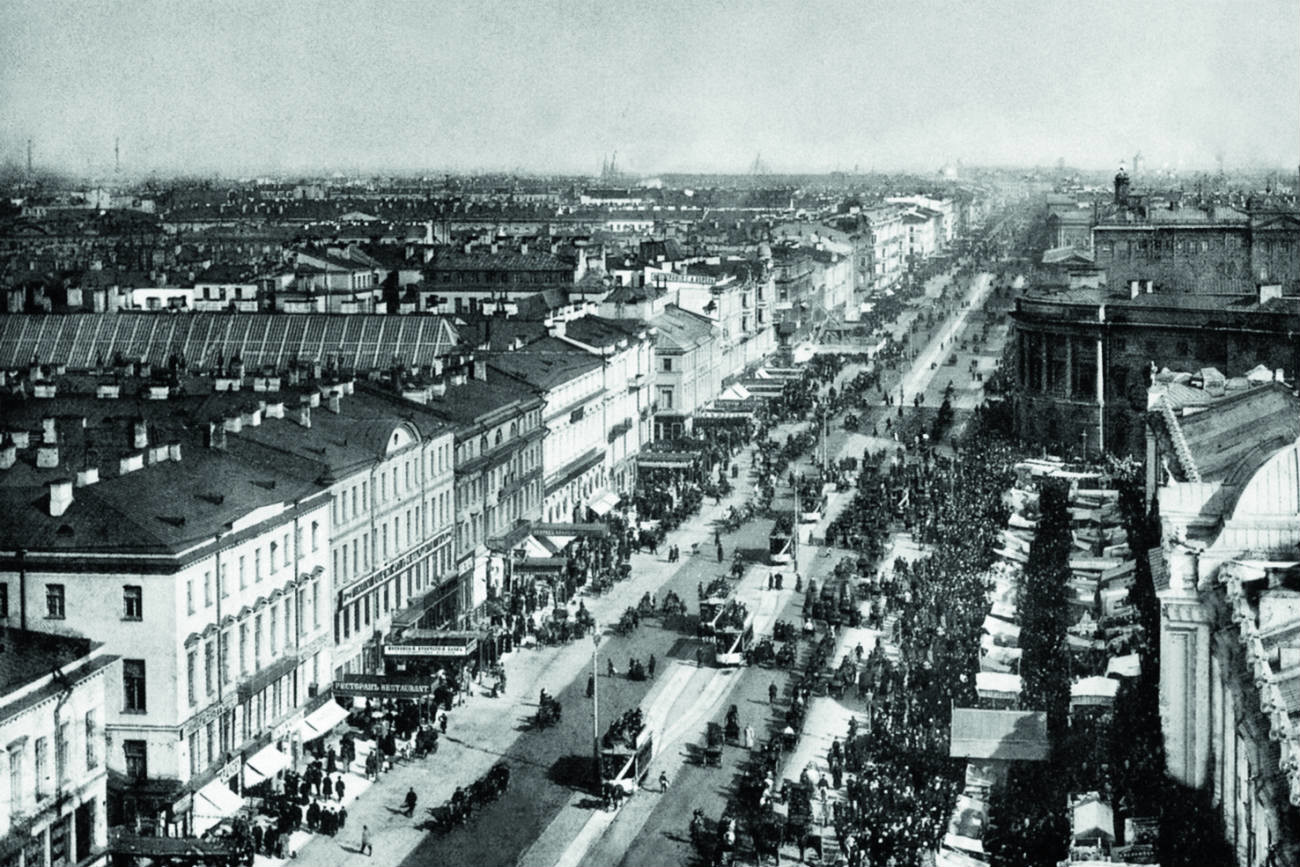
<point>244,87</point>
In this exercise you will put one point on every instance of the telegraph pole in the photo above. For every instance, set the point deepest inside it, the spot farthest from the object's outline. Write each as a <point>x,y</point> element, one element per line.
<point>595,707</point>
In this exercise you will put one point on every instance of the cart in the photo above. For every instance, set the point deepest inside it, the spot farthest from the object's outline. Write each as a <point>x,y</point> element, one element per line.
<point>713,745</point>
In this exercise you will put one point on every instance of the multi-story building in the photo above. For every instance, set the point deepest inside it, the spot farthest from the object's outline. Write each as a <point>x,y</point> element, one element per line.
<point>573,455</point>
<point>943,213</point>
<point>924,234</point>
<point>53,788</point>
<point>1084,355</point>
<point>738,295</point>
<point>226,288</point>
<point>129,521</point>
<point>1226,472</point>
<point>497,424</point>
<point>390,481</point>
<point>626,351</point>
<point>688,371</point>
<point>491,278</point>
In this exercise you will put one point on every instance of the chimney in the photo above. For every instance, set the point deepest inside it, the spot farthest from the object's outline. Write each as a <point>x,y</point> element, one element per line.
<point>140,434</point>
<point>233,423</point>
<point>130,464</point>
<point>458,378</point>
<point>275,410</point>
<point>313,398</point>
<point>47,457</point>
<point>174,450</point>
<point>349,385</point>
<point>1149,286</point>
<point>523,248</point>
<point>334,402</point>
<point>494,248</point>
<point>468,248</point>
<point>1134,289</point>
<point>556,328</point>
<point>439,388</point>
<point>8,455</point>
<point>1269,291</point>
<point>88,476</point>
<point>22,439</point>
<point>60,496</point>
<point>216,438</point>
<point>251,416</point>
<point>480,370</point>
<point>304,415</point>
<point>49,433</point>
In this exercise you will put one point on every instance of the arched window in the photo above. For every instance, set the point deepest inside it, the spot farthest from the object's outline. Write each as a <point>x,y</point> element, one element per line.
<point>499,436</point>
<point>514,429</point>
<point>483,445</point>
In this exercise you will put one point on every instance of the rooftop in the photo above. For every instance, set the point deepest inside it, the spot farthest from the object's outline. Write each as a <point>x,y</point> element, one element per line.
<point>27,656</point>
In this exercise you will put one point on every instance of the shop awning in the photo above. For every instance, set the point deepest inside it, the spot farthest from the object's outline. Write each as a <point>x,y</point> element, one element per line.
<point>322,720</point>
<point>212,803</point>
<point>603,503</point>
<point>265,764</point>
<point>668,462</point>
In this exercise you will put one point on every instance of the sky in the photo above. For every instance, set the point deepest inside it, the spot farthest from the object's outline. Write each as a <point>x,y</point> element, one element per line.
<point>284,86</point>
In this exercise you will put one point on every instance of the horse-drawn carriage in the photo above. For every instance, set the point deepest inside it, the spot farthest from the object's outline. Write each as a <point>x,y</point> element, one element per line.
<point>460,808</point>
<point>548,711</point>
<point>713,745</point>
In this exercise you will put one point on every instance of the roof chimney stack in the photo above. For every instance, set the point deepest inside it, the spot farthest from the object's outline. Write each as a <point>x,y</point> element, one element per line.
<point>49,433</point>
<point>335,402</point>
<point>8,455</point>
<point>174,451</point>
<point>47,457</point>
<point>88,476</point>
<point>140,434</point>
<point>60,496</point>
<point>216,438</point>
<point>304,414</point>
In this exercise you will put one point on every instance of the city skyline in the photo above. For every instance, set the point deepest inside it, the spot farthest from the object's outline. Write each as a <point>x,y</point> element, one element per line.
<point>239,89</point>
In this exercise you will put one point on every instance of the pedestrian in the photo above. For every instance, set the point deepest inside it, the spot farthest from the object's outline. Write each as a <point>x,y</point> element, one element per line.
<point>366,848</point>
<point>609,666</point>
<point>650,667</point>
<point>699,657</point>
<point>442,722</point>
<point>771,693</point>
<point>339,787</point>
<point>663,781</point>
<point>719,553</point>
<point>591,685</point>
<point>410,802</point>
<point>771,580</point>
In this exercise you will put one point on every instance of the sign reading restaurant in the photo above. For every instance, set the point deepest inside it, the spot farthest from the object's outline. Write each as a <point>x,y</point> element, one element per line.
<point>383,686</point>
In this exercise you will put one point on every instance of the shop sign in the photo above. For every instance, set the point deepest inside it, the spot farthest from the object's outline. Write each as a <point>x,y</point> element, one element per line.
<point>385,686</point>
<point>230,768</point>
<point>434,650</point>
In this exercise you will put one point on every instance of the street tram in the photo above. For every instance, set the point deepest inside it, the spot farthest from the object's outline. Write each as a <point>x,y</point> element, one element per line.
<point>781,541</point>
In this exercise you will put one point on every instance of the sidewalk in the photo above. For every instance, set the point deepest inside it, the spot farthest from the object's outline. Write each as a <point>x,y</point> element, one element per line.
<point>483,729</point>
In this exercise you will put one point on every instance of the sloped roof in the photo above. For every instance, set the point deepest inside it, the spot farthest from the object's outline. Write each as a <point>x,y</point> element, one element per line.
<point>1010,735</point>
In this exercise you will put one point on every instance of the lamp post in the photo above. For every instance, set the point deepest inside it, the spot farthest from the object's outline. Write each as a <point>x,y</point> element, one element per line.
<point>595,706</point>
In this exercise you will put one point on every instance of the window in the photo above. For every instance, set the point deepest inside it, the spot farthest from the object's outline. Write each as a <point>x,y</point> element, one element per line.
<point>61,740</point>
<point>257,643</point>
<point>222,580</point>
<point>275,547</point>
<point>4,600</point>
<point>189,594</point>
<point>257,565</point>
<point>273,635</point>
<point>284,550</point>
<point>243,648</point>
<point>243,571</point>
<point>18,794</point>
<point>315,535</point>
<point>54,601</point>
<point>288,625</point>
<point>133,685</point>
<point>665,398</point>
<point>210,741</point>
<point>196,760</point>
<point>191,674</point>
<point>668,365</point>
<point>227,663</point>
<point>132,602</point>
<point>42,768</point>
<point>207,589</point>
<point>137,759</point>
<point>92,738</point>
<point>209,667</point>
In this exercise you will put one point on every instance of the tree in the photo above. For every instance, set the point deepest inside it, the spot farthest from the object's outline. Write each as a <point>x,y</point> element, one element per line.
<point>1044,609</point>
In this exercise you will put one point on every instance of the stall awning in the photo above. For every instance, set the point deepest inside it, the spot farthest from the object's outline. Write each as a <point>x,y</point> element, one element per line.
<point>265,764</point>
<point>322,720</point>
<point>603,503</point>
<point>212,803</point>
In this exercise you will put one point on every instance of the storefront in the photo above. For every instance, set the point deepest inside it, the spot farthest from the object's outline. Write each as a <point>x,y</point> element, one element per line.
<point>322,720</point>
<point>425,651</point>
<point>216,801</point>
<point>264,765</point>
<point>125,848</point>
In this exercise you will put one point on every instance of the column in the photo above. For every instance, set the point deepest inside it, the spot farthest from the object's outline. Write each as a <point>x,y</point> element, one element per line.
<point>1184,671</point>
